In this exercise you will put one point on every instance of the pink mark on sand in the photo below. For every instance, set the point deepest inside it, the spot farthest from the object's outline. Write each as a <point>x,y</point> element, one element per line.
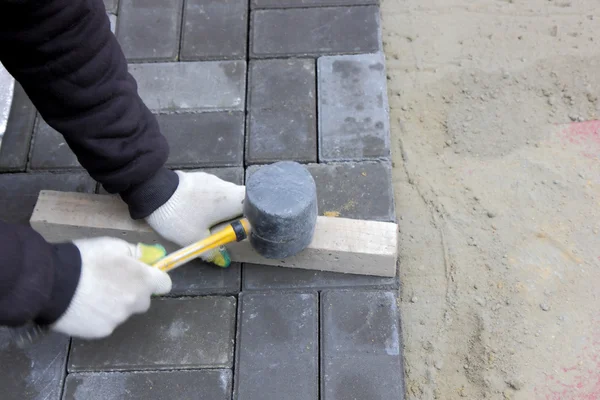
<point>580,381</point>
<point>585,134</point>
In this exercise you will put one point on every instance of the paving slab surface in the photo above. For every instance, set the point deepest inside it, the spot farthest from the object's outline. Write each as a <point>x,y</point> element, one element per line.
<point>234,85</point>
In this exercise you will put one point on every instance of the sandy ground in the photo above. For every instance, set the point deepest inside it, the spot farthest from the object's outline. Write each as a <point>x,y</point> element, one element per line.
<point>497,179</point>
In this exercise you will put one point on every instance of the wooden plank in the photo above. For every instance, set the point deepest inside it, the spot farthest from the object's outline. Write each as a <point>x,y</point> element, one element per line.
<point>339,244</point>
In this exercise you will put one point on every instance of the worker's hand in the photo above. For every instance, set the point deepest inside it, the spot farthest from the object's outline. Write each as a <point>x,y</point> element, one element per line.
<point>114,284</point>
<point>201,201</point>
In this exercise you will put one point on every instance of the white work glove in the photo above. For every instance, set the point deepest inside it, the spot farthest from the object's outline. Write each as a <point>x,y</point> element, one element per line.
<point>200,201</point>
<point>114,284</point>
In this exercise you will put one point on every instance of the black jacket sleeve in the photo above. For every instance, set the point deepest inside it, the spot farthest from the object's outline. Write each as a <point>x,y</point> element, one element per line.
<point>70,64</point>
<point>66,58</point>
<point>37,279</point>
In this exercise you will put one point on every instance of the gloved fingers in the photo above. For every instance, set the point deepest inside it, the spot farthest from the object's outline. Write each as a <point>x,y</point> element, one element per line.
<point>159,282</point>
<point>226,197</point>
<point>230,203</point>
<point>218,256</point>
<point>141,305</point>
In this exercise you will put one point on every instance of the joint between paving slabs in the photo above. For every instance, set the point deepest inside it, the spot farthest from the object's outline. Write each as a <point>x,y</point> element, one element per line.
<point>236,324</point>
<point>319,325</point>
<point>236,347</point>
<point>63,381</point>
<point>247,93</point>
<point>361,4</point>
<point>181,29</point>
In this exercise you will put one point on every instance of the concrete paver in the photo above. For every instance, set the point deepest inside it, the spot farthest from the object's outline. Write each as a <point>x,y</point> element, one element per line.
<point>353,108</point>
<point>199,278</point>
<point>308,3</point>
<point>174,333</point>
<point>277,347</point>
<point>355,190</point>
<point>360,346</point>
<point>50,151</point>
<point>35,372</point>
<point>230,174</point>
<point>314,31</point>
<point>265,277</point>
<point>225,22</point>
<point>150,385</point>
<point>14,147</point>
<point>218,136</point>
<point>149,30</point>
<point>192,86</point>
<point>282,111</point>
<point>352,190</point>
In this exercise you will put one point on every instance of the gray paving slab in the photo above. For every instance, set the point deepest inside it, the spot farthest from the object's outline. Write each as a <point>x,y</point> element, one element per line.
<point>214,29</point>
<point>19,192</point>
<point>111,6</point>
<point>174,334</point>
<point>149,30</point>
<point>314,31</point>
<point>230,174</point>
<point>282,111</point>
<point>355,190</point>
<point>151,385</point>
<point>199,278</point>
<point>308,3</point>
<point>360,346</point>
<point>35,372</point>
<point>277,346</point>
<point>266,277</point>
<point>192,86</point>
<point>14,145</point>
<point>353,108</point>
<point>205,139</point>
<point>49,150</point>
<point>361,190</point>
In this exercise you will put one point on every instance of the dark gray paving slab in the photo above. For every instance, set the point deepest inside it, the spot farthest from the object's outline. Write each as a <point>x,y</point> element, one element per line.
<point>35,372</point>
<point>111,6</point>
<point>205,139</point>
<point>360,190</point>
<point>192,86</point>
<point>230,174</point>
<point>360,346</point>
<point>19,192</point>
<point>149,30</point>
<point>214,29</point>
<point>277,347</point>
<point>314,31</point>
<point>199,278</point>
<point>282,111</point>
<point>353,108</point>
<point>14,147</point>
<point>262,277</point>
<point>355,190</point>
<point>308,3</point>
<point>49,149</point>
<point>180,385</point>
<point>173,334</point>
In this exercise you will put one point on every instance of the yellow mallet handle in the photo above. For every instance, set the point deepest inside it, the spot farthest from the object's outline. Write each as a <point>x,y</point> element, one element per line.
<point>234,232</point>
